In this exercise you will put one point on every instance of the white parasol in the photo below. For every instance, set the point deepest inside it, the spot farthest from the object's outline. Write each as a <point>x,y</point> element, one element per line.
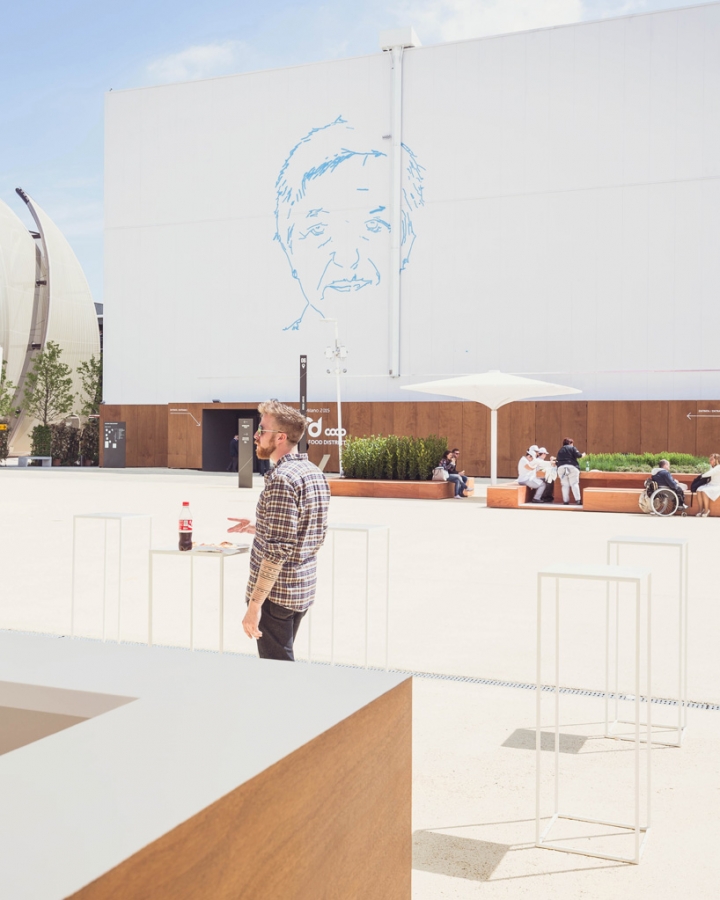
<point>493,389</point>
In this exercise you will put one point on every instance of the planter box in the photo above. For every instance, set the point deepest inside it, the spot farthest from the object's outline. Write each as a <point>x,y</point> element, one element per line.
<point>410,490</point>
<point>609,492</point>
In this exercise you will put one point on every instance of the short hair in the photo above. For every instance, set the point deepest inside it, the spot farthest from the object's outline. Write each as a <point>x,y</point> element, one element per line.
<point>455,449</point>
<point>290,421</point>
<point>715,456</point>
<point>663,463</point>
<point>567,441</point>
<point>322,150</point>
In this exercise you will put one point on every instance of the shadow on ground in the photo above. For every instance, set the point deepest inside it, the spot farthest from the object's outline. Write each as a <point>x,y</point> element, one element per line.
<point>458,857</point>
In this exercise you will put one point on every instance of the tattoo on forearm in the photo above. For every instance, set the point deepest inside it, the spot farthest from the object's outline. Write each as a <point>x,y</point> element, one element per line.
<point>267,576</point>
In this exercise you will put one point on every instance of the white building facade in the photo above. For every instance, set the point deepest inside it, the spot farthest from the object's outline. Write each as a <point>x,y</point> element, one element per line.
<point>560,216</point>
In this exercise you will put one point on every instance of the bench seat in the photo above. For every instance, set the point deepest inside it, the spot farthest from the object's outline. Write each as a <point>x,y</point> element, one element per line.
<point>625,500</point>
<point>24,460</point>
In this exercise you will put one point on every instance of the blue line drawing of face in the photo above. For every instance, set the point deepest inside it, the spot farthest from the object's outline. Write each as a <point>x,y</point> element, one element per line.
<point>331,213</point>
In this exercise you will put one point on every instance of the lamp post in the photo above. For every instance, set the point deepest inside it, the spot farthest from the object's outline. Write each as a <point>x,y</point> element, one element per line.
<point>337,354</point>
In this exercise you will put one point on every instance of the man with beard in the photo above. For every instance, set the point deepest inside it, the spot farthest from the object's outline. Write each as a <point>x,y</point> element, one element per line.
<point>291,521</point>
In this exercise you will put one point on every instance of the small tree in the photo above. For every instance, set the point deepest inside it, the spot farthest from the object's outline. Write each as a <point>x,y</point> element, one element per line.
<point>48,386</point>
<point>91,379</point>
<point>7,392</point>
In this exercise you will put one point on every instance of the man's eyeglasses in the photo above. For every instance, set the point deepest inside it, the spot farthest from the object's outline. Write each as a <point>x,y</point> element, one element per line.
<point>261,431</point>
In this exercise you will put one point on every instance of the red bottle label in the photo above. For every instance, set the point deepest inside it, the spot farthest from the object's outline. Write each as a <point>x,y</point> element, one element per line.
<point>185,525</point>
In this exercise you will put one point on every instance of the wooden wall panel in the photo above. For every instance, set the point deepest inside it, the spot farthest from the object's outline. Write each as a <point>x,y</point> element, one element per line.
<point>426,421</point>
<point>381,418</point>
<point>682,432</point>
<point>600,428</point>
<point>708,427</point>
<point>626,426</point>
<point>157,437</point>
<point>146,434</point>
<point>360,419</point>
<point>654,426</point>
<point>451,425</point>
<point>328,820</point>
<point>405,418</point>
<point>574,423</point>
<point>548,425</point>
<point>475,443</point>
<point>185,435</point>
<point>516,432</point>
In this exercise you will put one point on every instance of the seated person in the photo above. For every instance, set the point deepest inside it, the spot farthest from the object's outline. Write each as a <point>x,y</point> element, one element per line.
<point>547,470</point>
<point>448,463</point>
<point>528,475</point>
<point>463,476</point>
<point>663,478</point>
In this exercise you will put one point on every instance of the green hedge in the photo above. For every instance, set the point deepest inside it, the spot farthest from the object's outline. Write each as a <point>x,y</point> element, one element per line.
<point>40,441</point>
<point>643,462</point>
<point>392,457</point>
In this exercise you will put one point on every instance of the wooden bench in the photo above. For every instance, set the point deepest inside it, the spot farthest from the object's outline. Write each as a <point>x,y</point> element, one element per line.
<point>625,500</point>
<point>600,492</point>
<point>24,460</point>
<point>406,490</point>
<point>513,495</point>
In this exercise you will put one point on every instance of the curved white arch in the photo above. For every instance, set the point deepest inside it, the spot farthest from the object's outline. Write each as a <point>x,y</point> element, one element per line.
<point>72,320</point>
<point>17,290</point>
<point>62,311</point>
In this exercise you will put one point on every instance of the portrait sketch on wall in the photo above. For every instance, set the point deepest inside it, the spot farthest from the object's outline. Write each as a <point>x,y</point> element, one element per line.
<point>332,216</point>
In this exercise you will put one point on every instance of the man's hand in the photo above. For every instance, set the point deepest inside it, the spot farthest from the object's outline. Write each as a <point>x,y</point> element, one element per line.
<point>244,526</point>
<point>461,473</point>
<point>252,620</point>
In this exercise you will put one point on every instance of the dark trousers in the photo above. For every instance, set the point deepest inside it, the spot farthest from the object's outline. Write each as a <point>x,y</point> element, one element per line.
<point>279,626</point>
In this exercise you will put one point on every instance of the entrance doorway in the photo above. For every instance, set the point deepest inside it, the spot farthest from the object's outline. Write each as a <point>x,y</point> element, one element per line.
<point>219,427</point>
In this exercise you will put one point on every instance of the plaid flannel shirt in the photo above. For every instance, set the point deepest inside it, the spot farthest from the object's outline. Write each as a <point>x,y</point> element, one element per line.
<point>291,521</point>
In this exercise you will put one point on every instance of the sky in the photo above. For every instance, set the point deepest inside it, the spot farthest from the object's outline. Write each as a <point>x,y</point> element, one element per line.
<point>58,58</point>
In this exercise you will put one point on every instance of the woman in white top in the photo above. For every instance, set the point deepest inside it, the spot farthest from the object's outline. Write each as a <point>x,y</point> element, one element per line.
<point>711,490</point>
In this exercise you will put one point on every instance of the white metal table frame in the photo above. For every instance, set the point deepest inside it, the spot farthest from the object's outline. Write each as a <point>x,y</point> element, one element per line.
<point>641,578</point>
<point>367,530</point>
<point>120,518</point>
<point>682,545</point>
<point>192,555</point>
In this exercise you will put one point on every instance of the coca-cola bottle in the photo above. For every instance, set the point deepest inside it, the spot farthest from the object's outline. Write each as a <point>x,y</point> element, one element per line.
<point>185,527</point>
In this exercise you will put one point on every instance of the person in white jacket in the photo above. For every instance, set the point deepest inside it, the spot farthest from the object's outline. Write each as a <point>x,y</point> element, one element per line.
<point>528,474</point>
<point>711,490</point>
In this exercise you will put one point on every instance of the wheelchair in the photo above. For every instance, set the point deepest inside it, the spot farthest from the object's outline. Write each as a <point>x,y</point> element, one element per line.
<point>660,501</point>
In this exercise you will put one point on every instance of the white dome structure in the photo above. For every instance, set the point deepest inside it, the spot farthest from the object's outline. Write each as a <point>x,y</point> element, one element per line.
<point>44,296</point>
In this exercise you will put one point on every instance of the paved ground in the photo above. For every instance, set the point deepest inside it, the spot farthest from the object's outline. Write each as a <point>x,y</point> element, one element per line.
<point>462,602</point>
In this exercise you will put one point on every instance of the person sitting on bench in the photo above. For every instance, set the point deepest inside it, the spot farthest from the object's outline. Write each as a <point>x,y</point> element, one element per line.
<point>663,478</point>
<point>528,475</point>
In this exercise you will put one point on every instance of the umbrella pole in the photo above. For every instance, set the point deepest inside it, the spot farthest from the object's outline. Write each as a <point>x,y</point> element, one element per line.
<point>493,446</point>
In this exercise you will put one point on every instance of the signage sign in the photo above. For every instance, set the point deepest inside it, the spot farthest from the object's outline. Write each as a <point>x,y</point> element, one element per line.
<point>114,445</point>
<point>303,401</point>
<point>246,448</point>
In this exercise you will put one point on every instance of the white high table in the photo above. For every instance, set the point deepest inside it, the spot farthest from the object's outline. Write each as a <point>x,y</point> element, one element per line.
<point>681,546</point>
<point>193,776</point>
<point>192,555</point>
<point>122,519</point>
<point>640,579</point>
<point>367,530</point>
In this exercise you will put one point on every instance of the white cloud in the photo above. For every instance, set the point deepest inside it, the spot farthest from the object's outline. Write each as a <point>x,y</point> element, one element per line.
<point>452,20</point>
<point>200,61</point>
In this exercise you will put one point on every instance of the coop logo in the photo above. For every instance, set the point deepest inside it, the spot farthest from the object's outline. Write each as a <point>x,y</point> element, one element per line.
<point>316,433</point>
<point>314,428</point>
